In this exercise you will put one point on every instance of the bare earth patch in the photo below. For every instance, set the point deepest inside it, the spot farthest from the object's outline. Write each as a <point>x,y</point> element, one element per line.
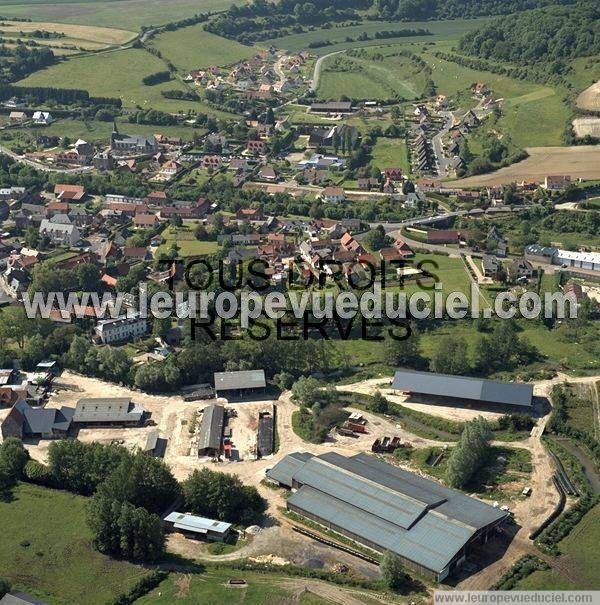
<point>581,162</point>
<point>586,126</point>
<point>589,99</point>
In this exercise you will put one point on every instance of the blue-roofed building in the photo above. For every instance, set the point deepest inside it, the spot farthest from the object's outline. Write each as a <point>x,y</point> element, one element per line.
<point>198,527</point>
<point>463,388</point>
<point>385,508</point>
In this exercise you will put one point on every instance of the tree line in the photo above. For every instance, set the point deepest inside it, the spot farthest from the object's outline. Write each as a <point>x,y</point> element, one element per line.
<point>130,492</point>
<point>412,10</point>
<point>61,96</point>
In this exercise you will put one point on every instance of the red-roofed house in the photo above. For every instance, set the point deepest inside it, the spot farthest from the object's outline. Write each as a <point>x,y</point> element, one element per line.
<point>74,193</point>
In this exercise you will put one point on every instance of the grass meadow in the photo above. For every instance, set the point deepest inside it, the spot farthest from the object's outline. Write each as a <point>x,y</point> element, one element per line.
<point>361,77</point>
<point>118,74</point>
<point>188,245</point>
<point>193,48</point>
<point>212,587</point>
<point>46,550</point>
<point>440,30</point>
<point>580,557</point>
<point>123,14</point>
<point>390,153</point>
<point>97,132</point>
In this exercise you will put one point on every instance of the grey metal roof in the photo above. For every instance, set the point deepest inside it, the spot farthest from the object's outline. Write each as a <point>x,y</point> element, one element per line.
<point>211,429</point>
<point>247,379</point>
<point>196,524</point>
<point>45,420</point>
<point>20,598</point>
<point>111,409</point>
<point>386,506</point>
<point>284,470</point>
<point>463,387</point>
<point>151,441</point>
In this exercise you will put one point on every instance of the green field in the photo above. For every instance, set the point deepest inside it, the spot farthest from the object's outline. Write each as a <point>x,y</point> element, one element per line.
<point>45,549</point>
<point>212,587</point>
<point>95,131</point>
<point>389,153</point>
<point>362,77</point>
<point>441,30</point>
<point>533,115</point>
<point>193,48</point>
<point>117,74</point>
<point>188,245</point>
<point>124,14</point>
<point>580,550</point>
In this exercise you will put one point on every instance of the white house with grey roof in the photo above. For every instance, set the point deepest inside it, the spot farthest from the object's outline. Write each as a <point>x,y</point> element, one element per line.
<point>60,233</point>
<point>385,508</point>
<point>121,329</point>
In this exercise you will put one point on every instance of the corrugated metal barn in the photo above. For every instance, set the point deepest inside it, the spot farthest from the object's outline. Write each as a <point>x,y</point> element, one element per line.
<point>463,388</point>
<point>385,508</point>
<point>236,384</point>
<point>211,431</point>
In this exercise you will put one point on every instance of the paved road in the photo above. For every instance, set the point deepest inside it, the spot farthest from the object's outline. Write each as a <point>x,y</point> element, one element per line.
<point>42,167</point>
<point>317,72</point>
<point>436,143</point>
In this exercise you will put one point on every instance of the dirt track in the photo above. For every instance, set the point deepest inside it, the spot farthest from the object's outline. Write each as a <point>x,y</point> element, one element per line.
<point>578,162</point>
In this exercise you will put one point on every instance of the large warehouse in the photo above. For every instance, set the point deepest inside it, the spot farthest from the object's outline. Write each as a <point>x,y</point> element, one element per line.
<point>386,508</point>
<point>237,384</point>
<point>211,431</point>
<point>463,388</point>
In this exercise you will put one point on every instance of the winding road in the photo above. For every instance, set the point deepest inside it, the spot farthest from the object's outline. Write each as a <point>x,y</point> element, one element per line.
<point>317,71</point>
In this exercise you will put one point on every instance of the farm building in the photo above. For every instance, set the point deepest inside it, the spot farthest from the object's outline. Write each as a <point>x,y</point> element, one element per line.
<point>20,598</point>
<point>232,384</point>
<point>332,107</point>
<point>102,411</point>
<point>461,388</point>
<point>211,431</point>
<point>265,441</point>
<point>46,423</point>
<point>385,508</point>
<point>198,527</point>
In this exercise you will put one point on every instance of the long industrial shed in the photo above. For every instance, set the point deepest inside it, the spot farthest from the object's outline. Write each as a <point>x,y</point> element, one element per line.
<point>463,388</point>
<point>385,508</point>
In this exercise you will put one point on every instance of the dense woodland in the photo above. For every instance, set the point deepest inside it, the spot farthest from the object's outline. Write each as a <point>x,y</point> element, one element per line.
<point>455,9</point>
<point>551,35</point>
<point>261,20</point>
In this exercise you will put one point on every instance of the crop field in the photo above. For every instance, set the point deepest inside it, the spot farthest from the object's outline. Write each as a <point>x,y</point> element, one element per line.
<point>85,36</point>
<point>580,162</point>
<point>117,74</point>
<point>45,548</point>
<point>363,77</point>
<point>390,153</point>
<point>193,48</point>
<point>586,126</point>
<point>440,30</point>
<point>125,14</point>
<point>590,98</point>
